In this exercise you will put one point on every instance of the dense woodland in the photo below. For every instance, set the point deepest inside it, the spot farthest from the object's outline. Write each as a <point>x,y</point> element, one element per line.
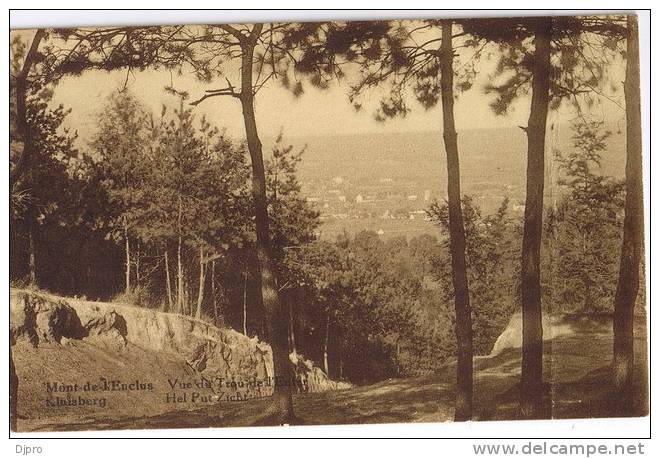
<point>164,210</point>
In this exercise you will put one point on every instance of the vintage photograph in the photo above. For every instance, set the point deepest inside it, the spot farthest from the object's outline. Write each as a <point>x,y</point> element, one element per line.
<point>326,223</point>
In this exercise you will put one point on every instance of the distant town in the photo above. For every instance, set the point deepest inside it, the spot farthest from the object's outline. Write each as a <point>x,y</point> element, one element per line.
<point>393,178</point>
<point>390,207</point>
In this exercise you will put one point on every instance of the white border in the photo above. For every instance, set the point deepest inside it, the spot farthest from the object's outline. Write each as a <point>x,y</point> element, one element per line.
<point>555,428</point>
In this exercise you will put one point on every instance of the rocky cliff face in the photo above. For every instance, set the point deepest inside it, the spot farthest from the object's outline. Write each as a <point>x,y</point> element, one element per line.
<point>136,358</point>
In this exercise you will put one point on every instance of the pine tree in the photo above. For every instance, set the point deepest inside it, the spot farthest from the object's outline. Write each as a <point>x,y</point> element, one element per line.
<point>404,57</point>
<point>123,168</point>
<point>633,228</point>
<point>587,224</point>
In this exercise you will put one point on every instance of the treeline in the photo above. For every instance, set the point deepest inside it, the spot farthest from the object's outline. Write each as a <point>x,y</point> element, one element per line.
<point>201,229</point>
<point>157,213</point>
<point>162,200</point>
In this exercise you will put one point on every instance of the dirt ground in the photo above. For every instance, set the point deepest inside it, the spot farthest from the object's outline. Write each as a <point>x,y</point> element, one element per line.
<point>576,371</point>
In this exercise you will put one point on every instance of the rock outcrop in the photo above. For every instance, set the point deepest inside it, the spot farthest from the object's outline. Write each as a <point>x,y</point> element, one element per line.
<point>39,320</point>
<point>74,341</point>
<point>554,325</point>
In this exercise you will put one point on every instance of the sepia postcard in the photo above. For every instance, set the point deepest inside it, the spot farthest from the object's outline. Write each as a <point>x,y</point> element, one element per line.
<point>326,223</point>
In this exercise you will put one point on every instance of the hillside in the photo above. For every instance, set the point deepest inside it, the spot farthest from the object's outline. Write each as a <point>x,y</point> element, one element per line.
<point>399,174</point>
<point>149,347</point>
<point>83,361</point>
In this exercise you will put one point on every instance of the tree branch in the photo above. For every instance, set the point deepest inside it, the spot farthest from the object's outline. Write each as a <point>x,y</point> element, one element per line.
<point>229,90</point>
<point>234,32</point>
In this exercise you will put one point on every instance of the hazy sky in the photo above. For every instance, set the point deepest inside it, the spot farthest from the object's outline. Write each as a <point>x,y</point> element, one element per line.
<point>316,112</point>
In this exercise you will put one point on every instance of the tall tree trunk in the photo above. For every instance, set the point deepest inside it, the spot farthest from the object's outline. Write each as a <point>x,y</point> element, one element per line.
<point>532,352</point>
<point>633,230</point>
<point>180,291</point>
<point>137,264</point>
<point>398,358</point>
<point>127,272</point>
<point>202,280</point>
<point>587,297</point>
<point>292,331</point>
<point>326,367</point>
<point>24,161</point>
<point>245,303</point>
<point>282,400</point>
<point>179,266</point>
<point>463,409</point>
<point>13,392</point>
<point>32,256</point>
<point>24,164</point>
<point>213,296</point>
<point>185,285</point>
<point>168,282</point>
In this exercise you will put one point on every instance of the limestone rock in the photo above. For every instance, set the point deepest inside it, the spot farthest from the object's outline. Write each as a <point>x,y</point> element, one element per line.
<point>107,328</point>
<point>554,325</point>
<point>218,355</point>
<point>40,320</point>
